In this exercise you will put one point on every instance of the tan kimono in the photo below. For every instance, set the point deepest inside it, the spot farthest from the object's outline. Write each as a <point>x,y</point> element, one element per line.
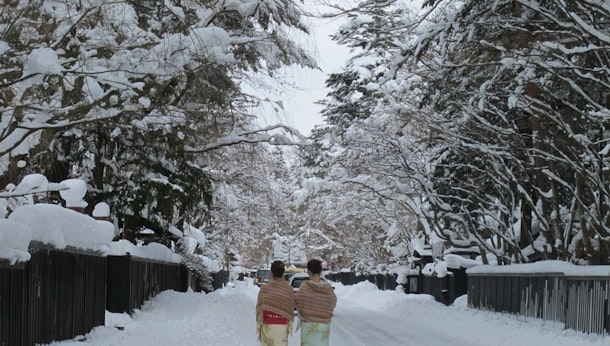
<point>274,312</point>
<point>316,303</point>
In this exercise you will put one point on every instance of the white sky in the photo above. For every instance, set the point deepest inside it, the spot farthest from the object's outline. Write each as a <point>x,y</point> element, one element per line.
<point>364,316</point>
<point>300,110</point>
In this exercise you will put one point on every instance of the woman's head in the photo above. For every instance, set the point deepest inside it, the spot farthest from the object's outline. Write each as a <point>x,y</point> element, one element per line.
<point>314,266</point>
<point>277,269</point>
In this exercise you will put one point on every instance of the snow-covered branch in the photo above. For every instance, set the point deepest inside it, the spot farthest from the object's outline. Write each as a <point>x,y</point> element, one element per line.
<point>261,135</point>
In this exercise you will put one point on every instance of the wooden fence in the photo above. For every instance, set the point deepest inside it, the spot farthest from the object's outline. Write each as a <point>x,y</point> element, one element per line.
<point>59,295</point>
<point>56,295</point>
<point>132,281</point>
<point>581,303</point>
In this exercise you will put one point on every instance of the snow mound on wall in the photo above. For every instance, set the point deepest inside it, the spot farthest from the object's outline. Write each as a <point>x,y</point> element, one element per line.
<point>154,251</point>
<point>14,241</point>
<point>61,227</point>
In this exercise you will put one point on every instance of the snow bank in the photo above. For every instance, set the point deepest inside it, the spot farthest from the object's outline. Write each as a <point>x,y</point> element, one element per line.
<point>367,295</point>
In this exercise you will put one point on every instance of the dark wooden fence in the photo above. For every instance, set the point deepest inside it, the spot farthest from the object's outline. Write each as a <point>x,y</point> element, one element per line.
<point>56,295</point>
<point>59,295</point>
<point>587,307</point>
<point>581,303</point>
<point>445,289</point>
<point>219,279</point>
<point>133,280</point>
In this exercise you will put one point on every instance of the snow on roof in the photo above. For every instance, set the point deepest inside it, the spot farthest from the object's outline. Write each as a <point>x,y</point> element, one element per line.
<point>454,250</point>
<point>457,262</point>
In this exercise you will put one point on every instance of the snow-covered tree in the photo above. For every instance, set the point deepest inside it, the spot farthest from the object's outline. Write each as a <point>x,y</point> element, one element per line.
<point>358,180</point>
<point>133,95</point>
<point>490,122</point>
<point>521,133</point>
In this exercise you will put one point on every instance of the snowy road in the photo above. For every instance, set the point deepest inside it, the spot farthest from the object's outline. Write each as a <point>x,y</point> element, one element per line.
<point>364,316</point>
<point>357,326</point>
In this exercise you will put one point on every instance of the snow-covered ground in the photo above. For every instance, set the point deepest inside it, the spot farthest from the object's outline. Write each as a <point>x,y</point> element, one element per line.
<point>364,316</point>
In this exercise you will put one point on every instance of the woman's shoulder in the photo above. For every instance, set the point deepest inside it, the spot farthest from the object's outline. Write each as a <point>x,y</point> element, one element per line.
<point>322,285</point>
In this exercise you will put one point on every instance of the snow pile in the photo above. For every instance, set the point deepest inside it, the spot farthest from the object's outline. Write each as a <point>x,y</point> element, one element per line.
<point>101,210</point>
<point>438,268</point>
<point>212,265</point>
<point>75,193</point>
<point>60,227</point>
<point>31,187</point>
<point>14,241</point>
<point>402,272</point>
<point>367,295</point>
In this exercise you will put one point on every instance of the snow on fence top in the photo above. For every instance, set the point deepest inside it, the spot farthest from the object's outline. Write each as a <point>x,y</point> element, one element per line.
<point>60,227</point>
<point>14,241</point>
<point>154,251</point>
<point>542,267</point>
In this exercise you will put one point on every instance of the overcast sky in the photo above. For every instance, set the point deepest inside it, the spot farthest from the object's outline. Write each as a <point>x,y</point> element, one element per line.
<point>300,110</point>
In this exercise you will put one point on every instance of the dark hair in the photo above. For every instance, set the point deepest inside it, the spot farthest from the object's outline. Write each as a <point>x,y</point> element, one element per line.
<point>314,266</point>
<point>277,269</point>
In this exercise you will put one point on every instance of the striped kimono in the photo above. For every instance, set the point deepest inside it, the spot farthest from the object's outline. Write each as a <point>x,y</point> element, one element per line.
<point>315,303</point>
<point>274,312</point>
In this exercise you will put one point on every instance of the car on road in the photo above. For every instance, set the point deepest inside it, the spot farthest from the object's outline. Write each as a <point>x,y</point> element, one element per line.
<point>297,280</point>
<point>262,277</point>
<point>291,270</point>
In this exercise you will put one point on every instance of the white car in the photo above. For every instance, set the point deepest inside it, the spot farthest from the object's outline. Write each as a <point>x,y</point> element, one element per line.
<point>297,280</point>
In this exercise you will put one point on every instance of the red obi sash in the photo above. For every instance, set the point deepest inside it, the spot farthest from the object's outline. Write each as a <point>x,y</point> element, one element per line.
<point>273,318</point>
